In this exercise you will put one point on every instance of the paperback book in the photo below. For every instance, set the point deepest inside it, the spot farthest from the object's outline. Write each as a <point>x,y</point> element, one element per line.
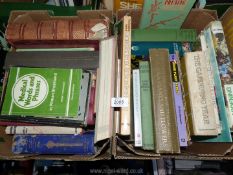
<point>178,100</point>
<point>165,13</point>
<point>46,93</point>
<point>201,116</point>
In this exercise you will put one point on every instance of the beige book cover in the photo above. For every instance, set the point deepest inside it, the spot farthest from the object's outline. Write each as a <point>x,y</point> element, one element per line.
<point>105,86</point>
<point>198,95</point>
<point>166,134</point>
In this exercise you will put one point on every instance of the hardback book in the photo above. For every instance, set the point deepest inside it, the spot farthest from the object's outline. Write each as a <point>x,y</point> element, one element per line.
<point>202,121</point>
<point>56,59</point>
<point>88,48</point>
<point>42,93</point>
<point>105,89</point>
<point>56,32</point>
<point>146,106</point>
<point>164,13</point>
<point>166,133</point>
<point>90,118</point>
<point>137,109</point>
<point>164,35</point>
<point>142,48</point>
<point>125,112</point>
<point>225,135</point>
<point>179,105</point>
<point>42,130</point>
<point>211,77</point>
<point>10,123</point>
<point>81,144</point>
<point>225,65</point>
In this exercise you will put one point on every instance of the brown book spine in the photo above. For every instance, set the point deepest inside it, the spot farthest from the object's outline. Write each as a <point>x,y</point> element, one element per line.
<point>58,30</point>
<point>166,134</point>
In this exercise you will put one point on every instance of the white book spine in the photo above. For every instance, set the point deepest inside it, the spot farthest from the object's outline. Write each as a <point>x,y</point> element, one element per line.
<point>137,109</point>
<point>41,130</point>
<point>211,79</point>
<point>202,108</point>
<point>104,111</point>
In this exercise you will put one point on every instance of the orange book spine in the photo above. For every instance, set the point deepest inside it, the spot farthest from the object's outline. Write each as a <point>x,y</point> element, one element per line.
<point>58,30</point>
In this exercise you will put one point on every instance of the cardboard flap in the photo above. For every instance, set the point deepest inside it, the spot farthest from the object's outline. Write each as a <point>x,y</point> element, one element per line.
<point>5,144</point>
<point>209,149</point>
<point>23,16</point>
<point>227,16</point>
<point>93,14</point>
<point>126,149</point>
<point>134,13</point>
<point>199,18</point>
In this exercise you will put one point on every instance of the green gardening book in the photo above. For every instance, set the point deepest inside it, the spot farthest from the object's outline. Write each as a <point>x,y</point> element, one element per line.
<point>42,92</point>
<point>146,107</point>
<point>165,14</point>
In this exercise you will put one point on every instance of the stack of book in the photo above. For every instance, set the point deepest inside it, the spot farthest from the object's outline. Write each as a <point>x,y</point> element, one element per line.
<point>53,75</point>
<point>181,93</point>
<point>70,83</point>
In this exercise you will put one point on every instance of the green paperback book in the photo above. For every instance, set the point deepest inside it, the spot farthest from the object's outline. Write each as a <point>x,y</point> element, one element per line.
<point>146,107</point>
<point>43,92</point>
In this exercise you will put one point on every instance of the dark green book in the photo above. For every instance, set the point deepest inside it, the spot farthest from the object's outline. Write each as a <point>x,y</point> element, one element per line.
<point>146,107</point>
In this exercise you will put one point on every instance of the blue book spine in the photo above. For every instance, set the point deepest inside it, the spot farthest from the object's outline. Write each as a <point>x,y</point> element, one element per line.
<point>225,135</point>
<point>82,144</point>
<point>142,48</point>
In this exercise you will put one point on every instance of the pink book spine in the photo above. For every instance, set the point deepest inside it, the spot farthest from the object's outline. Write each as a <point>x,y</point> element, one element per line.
<point>90,116</point>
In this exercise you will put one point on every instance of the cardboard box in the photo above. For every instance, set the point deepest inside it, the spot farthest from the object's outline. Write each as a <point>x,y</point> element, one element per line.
<point>103,148</point>
<point>121,149</point>
<point>117,145</point>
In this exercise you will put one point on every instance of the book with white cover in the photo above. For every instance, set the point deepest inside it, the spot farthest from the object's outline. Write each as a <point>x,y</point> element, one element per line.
<point>105,87</point>
<point>201,106</point>
<point>211,77</point>
<point>42,130</point>
<point>137,109</point>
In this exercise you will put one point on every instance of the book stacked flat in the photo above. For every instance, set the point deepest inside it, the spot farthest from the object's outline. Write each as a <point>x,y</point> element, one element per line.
<point>52,78</point>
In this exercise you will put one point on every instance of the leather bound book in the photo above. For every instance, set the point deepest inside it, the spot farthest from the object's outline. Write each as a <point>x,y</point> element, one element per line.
<point>38,33</point>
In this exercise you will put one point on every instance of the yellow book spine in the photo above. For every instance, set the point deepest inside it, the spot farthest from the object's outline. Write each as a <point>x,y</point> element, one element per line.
<point>127,4</point>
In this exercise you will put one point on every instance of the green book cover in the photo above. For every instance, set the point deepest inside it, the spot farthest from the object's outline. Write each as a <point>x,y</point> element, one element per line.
<point>165,13</point>
<point>42,92</point>
<point>164,35</point>
<point>146,107</point>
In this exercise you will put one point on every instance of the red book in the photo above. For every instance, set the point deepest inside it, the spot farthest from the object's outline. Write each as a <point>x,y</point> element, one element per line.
<point>90,119</point>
